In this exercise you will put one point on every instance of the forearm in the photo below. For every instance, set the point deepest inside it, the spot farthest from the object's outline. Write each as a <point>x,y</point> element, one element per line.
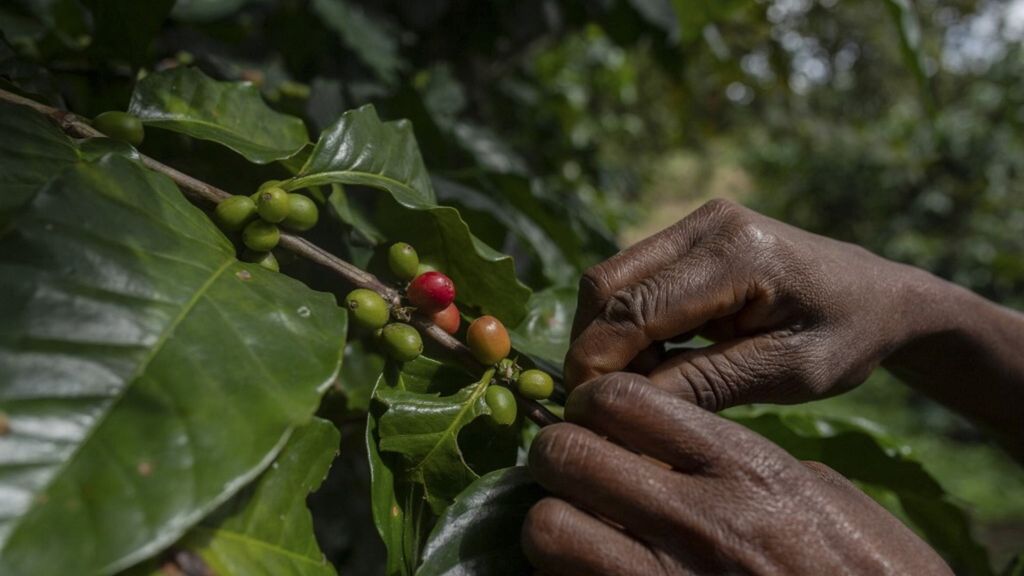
<point>965,352</point>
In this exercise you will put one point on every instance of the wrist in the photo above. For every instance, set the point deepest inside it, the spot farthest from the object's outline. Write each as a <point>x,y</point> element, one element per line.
<point>926,307</point>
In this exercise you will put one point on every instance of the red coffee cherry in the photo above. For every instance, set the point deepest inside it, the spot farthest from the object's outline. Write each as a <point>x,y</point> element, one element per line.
<point>448,319</point>
<point>431,292</point>
<point>488,340</point>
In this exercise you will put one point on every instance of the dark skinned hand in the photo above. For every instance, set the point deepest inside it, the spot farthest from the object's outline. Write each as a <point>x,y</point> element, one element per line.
<point>793,317</point>
<point>728,501</point>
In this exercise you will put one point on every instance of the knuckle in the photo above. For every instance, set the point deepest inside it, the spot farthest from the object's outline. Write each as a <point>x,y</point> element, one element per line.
<point>719,206</point>
<point>710,213</point>
<point>632,306</point>
<point>711,389</point>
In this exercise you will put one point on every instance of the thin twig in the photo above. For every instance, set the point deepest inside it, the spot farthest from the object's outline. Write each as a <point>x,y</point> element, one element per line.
<point>355,276</point>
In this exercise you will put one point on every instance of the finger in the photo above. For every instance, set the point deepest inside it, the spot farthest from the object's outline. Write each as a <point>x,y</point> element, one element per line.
<point>781,367</point>
<point>559,538</point>
<point>631,411</point>
<point>608,480</point>
<point>700,287</point>
<point>643,259</point>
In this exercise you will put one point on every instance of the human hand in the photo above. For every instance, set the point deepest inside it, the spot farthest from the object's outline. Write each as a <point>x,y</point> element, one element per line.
<point>725,501</point>
<point>794,316</point>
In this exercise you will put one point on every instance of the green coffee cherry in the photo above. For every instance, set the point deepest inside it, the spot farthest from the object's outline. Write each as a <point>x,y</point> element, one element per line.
<point>426,266</point>
<point>403,261</point>
<point>273,204</point>
<point>367,309</point>
<point>120,126</point>
<point>401,341</point>
<point>268,184</point>
<point>535,384</point>
<point>235,212</point>
<point>264,259</point>
<point>302,213</point>
<point>502,404</point>
<point>261,236</point>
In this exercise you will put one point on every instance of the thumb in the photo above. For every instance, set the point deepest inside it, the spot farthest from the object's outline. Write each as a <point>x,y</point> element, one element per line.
<point>776,367</point>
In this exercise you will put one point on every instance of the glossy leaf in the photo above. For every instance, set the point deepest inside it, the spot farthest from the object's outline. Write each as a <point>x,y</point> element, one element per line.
<point>544,334</point>
<point>146,375</point>
<point>27,78</point>
<point>359,373</point>
<point>32,151</point>
<point>267,529</point>
<point>423,426</point>
<point>493,212</point>
<point>232,114</point>
<point>360,149</point>
<point>479,534</point>
<point>400,511</point>
<point>867,455</point>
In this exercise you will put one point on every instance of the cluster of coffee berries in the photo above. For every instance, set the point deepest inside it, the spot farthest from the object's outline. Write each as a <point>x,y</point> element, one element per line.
<point>260,215</point>
<point>429,291</point>
<point>432,293</point>
<point>368,310</point>
<point>120,126</point>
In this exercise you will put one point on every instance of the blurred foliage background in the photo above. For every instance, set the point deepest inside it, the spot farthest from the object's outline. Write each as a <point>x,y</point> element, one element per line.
<point>889,123</point>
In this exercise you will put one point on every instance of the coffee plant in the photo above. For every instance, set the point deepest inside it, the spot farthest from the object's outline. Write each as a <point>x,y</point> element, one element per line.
<point>205,307</point>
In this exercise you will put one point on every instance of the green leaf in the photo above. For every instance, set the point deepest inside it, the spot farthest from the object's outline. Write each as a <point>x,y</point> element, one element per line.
<point>360,149</point>
<point>423,426</point>
<point>353,216</point>
<point>479,534</point>
<point>145,374</point>
<point>267,529</point>
<point>359,372</point>
<point>32,151</point>
<point>375,43</point>
<point>543,335</point>
<point>400,511</point>
<point>496,213</point>
<point>232,114</point>
<point>865,454</point>
<point>27,78</point>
